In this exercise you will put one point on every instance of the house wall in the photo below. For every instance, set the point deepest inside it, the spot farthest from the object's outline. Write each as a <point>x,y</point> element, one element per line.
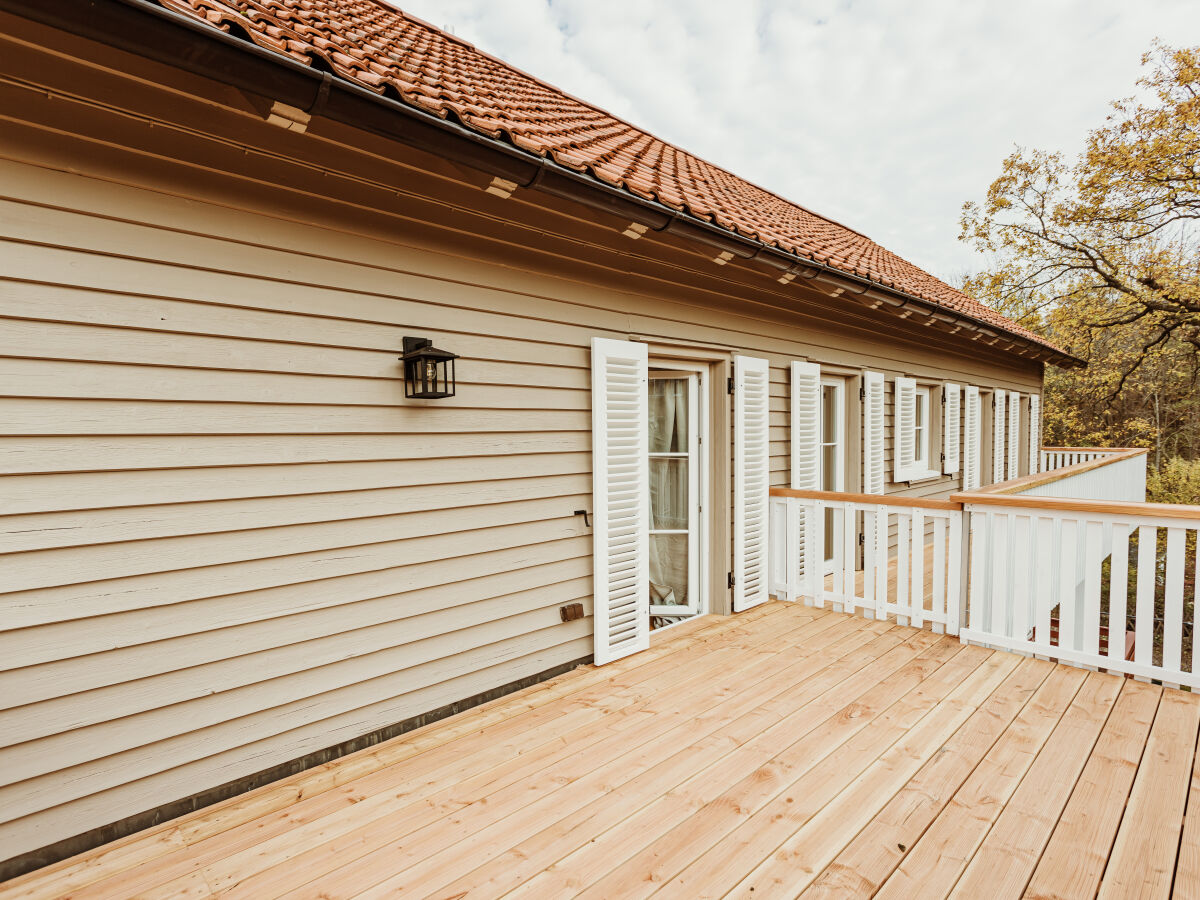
<point>228,540</point>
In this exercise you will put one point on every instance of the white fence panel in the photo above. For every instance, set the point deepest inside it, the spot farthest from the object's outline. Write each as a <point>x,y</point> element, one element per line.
<point>883,560</point>
<point>1075,607</point>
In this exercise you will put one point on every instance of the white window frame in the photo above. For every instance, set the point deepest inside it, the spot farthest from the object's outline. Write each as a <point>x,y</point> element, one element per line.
<point>698,475</point>
<point>922,468</point>
<point>838,385</point>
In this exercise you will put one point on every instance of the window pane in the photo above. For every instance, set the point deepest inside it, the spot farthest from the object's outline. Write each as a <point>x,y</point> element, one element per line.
<point>668,415</point>
<point>669,569</point>
<point>829,467</point>
<point>668,493</point>
<point>828,412</point>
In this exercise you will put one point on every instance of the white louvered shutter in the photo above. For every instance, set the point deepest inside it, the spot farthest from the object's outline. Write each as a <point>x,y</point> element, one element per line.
<point>1035,433</point>
<point>904,425</point>
<point>972,429</point>
<point>806,426</point>
<point>999,408</point>
<point>1014,434</point>
<point>620,499</point>
<point>873,477</point>
<point>951,402</point>
<point>751,482</point>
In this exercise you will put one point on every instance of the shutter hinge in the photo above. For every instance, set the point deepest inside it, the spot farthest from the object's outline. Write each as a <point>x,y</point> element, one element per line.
<point>729,384</point>
<point>943,457</point>
<point>862,538</point>
<point>730,579</point>
<point>862,393</point>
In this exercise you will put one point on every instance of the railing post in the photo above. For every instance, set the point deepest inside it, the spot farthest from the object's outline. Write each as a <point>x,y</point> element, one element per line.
<point>956,575</point>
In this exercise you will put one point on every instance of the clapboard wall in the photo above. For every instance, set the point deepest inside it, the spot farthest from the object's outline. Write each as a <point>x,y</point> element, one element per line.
<point>226,539</point>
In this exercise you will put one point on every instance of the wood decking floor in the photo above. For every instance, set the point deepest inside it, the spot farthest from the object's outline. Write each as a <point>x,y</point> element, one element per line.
<point>787,751</point>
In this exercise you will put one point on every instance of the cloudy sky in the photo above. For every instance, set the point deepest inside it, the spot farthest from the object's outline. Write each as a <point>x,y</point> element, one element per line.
<point>883,115</point>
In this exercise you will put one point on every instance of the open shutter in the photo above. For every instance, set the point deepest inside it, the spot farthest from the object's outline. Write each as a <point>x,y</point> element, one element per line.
<point>972,430</point>
<point>904,424</point>
<point>751,482</point>
<point>1035,433</point>
<point>950,427</point>
<point>1014,434</point>
<point>806,426</point>
<point>873,477</point>
<point>620,499</point>
<point>999,408</point>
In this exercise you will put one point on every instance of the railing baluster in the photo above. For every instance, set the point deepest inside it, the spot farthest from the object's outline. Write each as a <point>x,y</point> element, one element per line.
<point>838,511</point>
<point>850,555</point>
<point>1068,583</point>
<point>1021,596</point>
<point>941,620</point>
<point>1195,602</point>
<point>1173,602</point>
<point>1143,625</point>
<point>869,563</point>
<point>1092,560</point>
<point>883,514</point>
<point>903,557</point>
<point>1118,590</point>
<point>917,593</point>
<point>793,564</point>
<point>1001,527</point>
<point>956,575</point>
<point>1043,578</point>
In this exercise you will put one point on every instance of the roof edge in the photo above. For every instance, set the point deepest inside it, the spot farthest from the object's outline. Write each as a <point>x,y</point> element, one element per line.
<point>268,73</point>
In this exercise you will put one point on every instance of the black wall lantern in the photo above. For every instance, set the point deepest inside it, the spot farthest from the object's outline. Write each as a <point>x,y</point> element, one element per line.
<point>428,371</point>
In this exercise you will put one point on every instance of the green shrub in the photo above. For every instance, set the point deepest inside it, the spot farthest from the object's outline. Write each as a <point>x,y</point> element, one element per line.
<point>1177,481</point>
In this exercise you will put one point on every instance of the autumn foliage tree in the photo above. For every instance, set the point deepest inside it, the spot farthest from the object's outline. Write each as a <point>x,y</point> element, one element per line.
<point>1102,255</point>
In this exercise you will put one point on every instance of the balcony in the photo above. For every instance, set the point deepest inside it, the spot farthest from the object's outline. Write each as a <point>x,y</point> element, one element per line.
<point>1070,564</point>
<point>786,751</point>
<point>938,712</point>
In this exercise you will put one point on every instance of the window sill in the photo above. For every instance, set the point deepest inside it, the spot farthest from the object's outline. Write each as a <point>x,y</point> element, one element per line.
<point>924,475</point>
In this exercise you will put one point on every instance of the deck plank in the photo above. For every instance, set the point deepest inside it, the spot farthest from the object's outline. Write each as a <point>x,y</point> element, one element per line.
<point>1142,863</point>
<point>146,848</point>
<point>438,854</point>
<point>723,867</point>
<point>869,856</point>
<point>442,783</point>
<point>668,835</point>
<point>1073,861</point>
<point>934,865</point>
<point>784,750</point>
<point>1004,862</point>
<point>1187,869</point>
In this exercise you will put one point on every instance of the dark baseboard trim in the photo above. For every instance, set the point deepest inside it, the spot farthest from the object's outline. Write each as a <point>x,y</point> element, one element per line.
<point>88,840</point>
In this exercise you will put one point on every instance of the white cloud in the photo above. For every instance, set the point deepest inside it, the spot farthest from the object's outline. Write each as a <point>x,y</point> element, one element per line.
<point>885,116</point>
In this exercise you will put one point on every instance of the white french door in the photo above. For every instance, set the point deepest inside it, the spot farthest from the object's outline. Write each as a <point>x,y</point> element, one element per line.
<point>832,451</point>
<point>676,493</point>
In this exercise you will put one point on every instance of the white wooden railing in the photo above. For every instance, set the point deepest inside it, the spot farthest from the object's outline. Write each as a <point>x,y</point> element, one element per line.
<point>1052,458</point>
<point>1070,565</point>
<point>1039,562</point>
<point>911,555</point>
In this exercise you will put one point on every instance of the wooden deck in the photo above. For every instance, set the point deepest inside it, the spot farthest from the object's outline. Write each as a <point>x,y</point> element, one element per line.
<point>785,751</point>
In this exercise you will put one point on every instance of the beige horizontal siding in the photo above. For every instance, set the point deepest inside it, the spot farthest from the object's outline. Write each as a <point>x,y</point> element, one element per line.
<point>226,539</point>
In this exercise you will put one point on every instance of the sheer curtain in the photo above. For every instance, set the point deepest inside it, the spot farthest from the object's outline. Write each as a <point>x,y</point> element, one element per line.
<point>668,427</point>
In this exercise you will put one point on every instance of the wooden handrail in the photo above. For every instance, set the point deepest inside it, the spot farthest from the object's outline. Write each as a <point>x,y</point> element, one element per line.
<point>1103,507</point>
<point>867,499</point>
<point>1037,479</point>
<point>1092,449</point>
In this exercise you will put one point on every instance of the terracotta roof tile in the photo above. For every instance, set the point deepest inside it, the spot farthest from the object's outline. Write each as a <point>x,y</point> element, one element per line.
<point>378,47</point>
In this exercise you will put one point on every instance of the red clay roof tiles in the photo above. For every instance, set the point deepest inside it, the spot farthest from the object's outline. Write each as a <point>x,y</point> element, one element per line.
<point>376,46</point>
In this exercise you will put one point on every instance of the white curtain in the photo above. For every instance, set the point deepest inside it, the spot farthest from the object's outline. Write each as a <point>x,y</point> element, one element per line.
<point>668,413</point>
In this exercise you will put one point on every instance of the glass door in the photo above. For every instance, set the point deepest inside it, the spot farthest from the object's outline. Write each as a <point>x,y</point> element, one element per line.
<point>674,495</point>
<point>833,451</point>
